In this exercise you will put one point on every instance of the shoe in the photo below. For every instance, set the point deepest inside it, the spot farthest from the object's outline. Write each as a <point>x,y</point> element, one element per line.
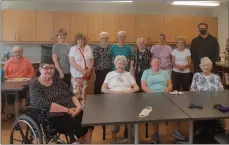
<point>178,135</point>
<point>155,138</point>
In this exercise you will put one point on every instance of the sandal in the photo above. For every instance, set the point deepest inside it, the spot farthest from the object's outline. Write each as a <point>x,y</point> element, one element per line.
<point>8,117</point>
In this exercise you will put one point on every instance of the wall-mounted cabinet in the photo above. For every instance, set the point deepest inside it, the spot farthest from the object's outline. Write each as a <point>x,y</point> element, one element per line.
<point>41,26</point>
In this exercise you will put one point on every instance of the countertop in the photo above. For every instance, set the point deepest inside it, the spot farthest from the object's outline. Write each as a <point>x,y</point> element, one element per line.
<point>223,64</point>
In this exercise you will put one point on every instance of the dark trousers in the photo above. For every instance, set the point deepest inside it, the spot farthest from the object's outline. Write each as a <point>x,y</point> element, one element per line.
<point>138,77</point>
<point>67,79</point>
<point>181,80</point>
<point>100,77</point>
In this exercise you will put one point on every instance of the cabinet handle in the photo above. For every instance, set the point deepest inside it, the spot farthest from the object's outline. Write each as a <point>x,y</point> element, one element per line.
<point>15,36</point>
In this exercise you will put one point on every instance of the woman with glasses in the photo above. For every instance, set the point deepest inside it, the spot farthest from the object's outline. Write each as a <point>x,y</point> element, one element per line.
<point>163,51</point>
<point>102,61</point>
<point>60,53</point>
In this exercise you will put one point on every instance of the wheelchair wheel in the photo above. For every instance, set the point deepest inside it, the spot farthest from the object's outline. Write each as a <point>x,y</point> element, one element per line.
<point>25,131</point>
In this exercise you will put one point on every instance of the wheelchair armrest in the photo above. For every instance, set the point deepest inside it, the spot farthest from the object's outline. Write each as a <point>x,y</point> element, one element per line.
<point>34,109</point>
<point>38,114</point>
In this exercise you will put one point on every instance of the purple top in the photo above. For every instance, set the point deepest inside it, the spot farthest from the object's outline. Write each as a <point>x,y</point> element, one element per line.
<point>164,53</point>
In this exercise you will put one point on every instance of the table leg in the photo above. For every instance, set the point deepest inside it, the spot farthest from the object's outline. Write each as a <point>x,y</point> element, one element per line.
<point>16,104</point>
<point>136,133</point>
<point>129,126</point>
<point>191,133</point>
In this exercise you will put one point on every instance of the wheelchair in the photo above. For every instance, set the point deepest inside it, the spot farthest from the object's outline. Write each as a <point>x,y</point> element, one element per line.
<point>33,128</point>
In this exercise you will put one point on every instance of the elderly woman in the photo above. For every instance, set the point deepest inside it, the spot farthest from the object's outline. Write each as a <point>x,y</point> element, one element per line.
<point>121,49</point>
<point>140,60</point>
<point>18,67</point>
<point>102,61</point>
<point>163,51</point>
<point>156,80</point>
<point>118,82</point>
<point>63,109</point>
<point>181,59</point>
<point>207,81</point>
<point>81,63</point>
<point>60,53</point>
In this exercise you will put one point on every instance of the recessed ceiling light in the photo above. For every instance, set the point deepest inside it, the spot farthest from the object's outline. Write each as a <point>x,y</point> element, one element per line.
<point>196,3</point>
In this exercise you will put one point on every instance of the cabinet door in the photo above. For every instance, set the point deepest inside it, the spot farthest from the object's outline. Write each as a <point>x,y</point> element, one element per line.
<point>78,24</point>
<point>111,25</point>
<point>187,26</point>
<point>44,26</point>
<point>171,28</point>
<point>18,25</point>
<point>142,26</point>
<point>62,20</point>
<point>126,23</point>
<point>212,25</point>
<point>156,27</point>
<point>95,26</point>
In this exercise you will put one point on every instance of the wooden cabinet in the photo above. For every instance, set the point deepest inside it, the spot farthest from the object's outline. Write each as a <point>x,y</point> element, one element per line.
<point>44,26</point>
<point>156,27</point>
<point>126,23</point>
<point>142,26</point>
<point>187,26</point>
<point>78,24</point>
<point>111,25</point>
<point>62,20</point>
<point>212,25</point>
<point>18,25</point>
<point>94,26</point>
<point>171,28</point>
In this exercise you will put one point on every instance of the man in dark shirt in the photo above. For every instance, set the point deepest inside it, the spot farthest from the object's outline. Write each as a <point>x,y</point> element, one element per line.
<point>205,45</point>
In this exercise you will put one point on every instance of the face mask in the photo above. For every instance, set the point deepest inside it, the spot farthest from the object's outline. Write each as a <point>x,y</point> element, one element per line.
<point>203,32</point>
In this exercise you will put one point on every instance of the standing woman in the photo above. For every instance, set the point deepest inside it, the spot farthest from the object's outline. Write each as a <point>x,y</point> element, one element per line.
<point>121,49</point>
<point>102,61</point>
<point>181,60</point>
<point>60,53</point>
<point>140,60</point>
<point>163,51</point>
<point>81,63</point>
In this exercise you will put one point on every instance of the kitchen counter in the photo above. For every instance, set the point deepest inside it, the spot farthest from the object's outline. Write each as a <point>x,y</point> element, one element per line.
<point>223,64</point>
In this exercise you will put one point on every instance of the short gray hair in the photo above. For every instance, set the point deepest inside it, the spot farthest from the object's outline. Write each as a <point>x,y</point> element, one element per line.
<point>16,47</point>
<point>140,39</point>
<point>103,34</point>
<point>205,59</point>
<point>120,57</point>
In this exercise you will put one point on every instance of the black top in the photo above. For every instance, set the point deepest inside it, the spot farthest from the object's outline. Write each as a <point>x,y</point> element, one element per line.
<point>108,109</point>
<point>102,58</point>
<point>206,99</point>
<point>141,60</point>
<point>42,96</point>
<point>204,47</point>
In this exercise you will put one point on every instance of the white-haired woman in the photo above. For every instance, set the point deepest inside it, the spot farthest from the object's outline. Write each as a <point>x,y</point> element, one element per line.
<point>206,81</point>
<point>102,61</point>
<point>140,60</point>
<point>117,82</point>
<point>121,49</point>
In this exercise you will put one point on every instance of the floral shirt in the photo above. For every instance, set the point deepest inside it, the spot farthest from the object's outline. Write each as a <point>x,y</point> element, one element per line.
<point>141,60</point>
<point>206,83</point>
<point>102,58</point>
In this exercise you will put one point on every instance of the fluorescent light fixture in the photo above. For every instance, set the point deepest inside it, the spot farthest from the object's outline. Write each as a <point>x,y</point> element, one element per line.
<point>197,3</point>
<point>116,1</point>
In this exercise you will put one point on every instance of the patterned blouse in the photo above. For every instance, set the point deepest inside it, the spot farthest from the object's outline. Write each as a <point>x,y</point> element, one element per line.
<point>206,83</point>
<point>43,96</point>
<point>102,58</point>
<point>141,60</point>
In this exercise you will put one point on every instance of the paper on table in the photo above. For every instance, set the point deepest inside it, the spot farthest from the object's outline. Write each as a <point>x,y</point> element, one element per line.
<point>17,79</point>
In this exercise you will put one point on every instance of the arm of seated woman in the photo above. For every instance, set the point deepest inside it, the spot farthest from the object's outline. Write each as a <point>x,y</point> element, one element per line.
<point>145,87</point>
<point>106,90</point>
<point>169,88</point>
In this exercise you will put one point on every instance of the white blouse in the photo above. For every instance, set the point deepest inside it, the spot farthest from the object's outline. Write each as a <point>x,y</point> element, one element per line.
<point>75,52</point>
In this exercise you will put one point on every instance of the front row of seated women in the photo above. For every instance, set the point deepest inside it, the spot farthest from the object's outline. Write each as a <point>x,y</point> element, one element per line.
<point>51,94</point>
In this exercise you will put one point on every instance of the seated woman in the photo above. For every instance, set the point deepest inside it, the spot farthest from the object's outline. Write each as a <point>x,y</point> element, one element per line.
<point>63,109</point>
<point>156,80</point>
<point>206,81</point>
<point>117,82</point>
<point>17,67</point>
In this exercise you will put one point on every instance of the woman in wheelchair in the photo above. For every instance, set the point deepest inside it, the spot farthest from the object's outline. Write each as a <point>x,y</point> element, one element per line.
<point>63,108</point>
